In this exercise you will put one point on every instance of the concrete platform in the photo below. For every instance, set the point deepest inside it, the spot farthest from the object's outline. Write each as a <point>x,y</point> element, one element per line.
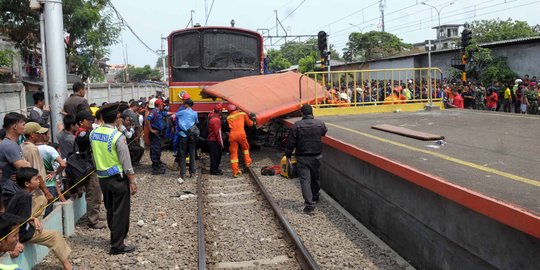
<point>470,204</point>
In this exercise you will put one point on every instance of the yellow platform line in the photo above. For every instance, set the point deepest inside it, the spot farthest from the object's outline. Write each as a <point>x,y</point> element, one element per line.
<point>445,157</point>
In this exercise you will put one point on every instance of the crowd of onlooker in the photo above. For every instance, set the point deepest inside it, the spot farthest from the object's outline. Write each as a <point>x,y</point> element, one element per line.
<point>33,174</point>
<point>520,95</point>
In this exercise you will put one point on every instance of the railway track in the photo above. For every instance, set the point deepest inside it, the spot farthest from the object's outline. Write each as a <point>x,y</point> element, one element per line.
<point>240,225</point>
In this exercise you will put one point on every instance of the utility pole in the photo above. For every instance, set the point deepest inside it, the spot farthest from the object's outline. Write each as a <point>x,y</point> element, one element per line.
<point>382,6</point>
<point>163,66</point>
<point>56,58</point>
<point>44,58</point>
<point>438,10</point>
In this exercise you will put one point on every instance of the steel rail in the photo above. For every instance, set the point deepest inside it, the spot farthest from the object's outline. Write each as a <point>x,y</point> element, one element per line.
<point>200,224</point>
<point>304,257</point>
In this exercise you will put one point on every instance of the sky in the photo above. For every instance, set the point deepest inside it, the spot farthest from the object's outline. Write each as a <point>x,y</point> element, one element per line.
<point>408,19</point>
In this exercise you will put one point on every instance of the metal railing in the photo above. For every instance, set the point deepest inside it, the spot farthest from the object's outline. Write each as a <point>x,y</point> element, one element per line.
<point>371,87</point>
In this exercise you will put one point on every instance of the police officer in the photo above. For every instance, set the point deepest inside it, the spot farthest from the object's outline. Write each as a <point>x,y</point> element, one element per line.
<point>116,176</point>
<point>305,137</point>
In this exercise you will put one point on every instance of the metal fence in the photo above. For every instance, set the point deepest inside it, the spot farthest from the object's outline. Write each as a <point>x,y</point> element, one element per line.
<point>373,87</point>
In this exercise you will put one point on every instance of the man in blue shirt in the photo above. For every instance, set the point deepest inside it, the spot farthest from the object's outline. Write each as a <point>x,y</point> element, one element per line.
<point>186,121</point>
<point>155,123</point>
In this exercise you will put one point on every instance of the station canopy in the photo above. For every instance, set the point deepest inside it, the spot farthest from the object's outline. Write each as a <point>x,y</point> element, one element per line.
<point>268,96</point>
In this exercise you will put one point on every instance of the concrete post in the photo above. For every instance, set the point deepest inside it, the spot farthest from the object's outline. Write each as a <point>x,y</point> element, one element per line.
<point>56,57</point>
<point>109,93</point>
<point>44,58</point>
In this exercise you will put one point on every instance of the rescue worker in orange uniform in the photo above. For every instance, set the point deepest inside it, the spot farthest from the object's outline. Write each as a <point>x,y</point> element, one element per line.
<point>237,136</point>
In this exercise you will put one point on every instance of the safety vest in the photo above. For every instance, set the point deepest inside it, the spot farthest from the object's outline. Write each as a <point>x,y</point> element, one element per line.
<point>103,141</point>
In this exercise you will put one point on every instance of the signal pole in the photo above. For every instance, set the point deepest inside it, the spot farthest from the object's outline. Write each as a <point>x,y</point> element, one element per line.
<point>382,6</point>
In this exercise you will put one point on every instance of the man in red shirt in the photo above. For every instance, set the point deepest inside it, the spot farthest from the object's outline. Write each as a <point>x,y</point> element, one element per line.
<point>215,140</point>
<point>492,99</point>
<point>458,101</point>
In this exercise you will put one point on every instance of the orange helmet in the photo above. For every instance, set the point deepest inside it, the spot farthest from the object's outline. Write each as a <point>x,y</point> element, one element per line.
<point>231,108</point>
<point>185,96</point>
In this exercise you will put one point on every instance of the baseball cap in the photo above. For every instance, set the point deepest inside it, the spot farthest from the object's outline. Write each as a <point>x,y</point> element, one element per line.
<point>158,102</point>
<point>33,127</point>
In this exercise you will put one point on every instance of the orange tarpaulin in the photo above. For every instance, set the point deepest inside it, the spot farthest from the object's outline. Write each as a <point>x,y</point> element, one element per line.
<point>268,96</point>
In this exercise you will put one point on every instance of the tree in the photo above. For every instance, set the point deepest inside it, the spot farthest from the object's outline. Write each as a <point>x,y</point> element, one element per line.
<point>373,45</point>
<point>485,31</point>
<point>293,51</point>
<point>159,62</point>
<point>307,64</point>
<point>276,61</point>
<point>87,23</point>
<point>137,74</point>
<point>483,67</point>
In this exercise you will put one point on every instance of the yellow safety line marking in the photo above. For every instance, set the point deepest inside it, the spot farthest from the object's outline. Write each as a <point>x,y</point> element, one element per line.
<point>445,157</point>
<point>510,114</point>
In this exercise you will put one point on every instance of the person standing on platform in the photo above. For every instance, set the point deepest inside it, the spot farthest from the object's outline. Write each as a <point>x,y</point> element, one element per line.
<point>237,137</point>
<point>155,123</point>
<point>305,139</point>
<point>215,140</point>
<point>76,102</point>
<point>116,176</point>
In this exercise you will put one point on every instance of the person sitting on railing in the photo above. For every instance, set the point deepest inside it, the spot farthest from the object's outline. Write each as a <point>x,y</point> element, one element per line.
<point>33,232</point>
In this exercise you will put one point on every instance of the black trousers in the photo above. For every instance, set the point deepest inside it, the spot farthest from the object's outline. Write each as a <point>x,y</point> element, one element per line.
<point>308,173</point>
<point>155,151</point>
<point>116,197</point>
<point>186,147</point>
<point>136,152</point>
<point>215,156</point>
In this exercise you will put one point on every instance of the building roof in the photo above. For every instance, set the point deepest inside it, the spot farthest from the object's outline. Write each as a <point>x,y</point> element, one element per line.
<point>447,26</point>
<point>501,43</point>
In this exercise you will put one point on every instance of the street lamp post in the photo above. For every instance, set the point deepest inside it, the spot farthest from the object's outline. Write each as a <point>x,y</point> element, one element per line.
<point>438,10</point>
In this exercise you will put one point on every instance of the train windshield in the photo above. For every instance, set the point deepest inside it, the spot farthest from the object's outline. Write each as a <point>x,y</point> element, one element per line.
<point>187,50</point>
<point>227,50</point>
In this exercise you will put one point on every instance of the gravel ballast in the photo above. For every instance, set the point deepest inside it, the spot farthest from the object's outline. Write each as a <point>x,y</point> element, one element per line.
<point>164,226</point>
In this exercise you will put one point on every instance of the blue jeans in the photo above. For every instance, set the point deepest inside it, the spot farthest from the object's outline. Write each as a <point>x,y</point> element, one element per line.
<point>53,192</point>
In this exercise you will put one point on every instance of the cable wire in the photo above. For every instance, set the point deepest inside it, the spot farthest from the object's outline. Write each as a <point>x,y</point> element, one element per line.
<point>124,22</point>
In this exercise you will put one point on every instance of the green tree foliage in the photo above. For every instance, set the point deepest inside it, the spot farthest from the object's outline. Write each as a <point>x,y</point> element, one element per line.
<point>496,30</point>
<point>483,67</point>
<point>137,74</point>
<point>6,57</point>
<point>276,61</point>
<point>308,63</point>
<point>88,23</point>
<point>159,62</point>
<point>373,45</point>
<point>293,51</point>
<point>91,30</point>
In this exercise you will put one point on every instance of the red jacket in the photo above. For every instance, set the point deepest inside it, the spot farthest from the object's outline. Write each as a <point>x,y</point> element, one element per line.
<point>214,129</point>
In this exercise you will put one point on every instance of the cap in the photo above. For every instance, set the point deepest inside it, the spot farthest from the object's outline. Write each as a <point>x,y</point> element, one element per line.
<point>109,108</point>
<point>33,127</point>
<point>152,103</point>
<point>185,96</point>
<point>158,102</point>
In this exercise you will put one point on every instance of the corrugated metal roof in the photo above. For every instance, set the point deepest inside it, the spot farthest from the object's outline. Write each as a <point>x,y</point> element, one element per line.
<point>489,44</point>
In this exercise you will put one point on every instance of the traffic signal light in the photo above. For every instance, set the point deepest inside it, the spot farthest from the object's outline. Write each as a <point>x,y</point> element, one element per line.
<point>322,40</point>
<point>466,37</point>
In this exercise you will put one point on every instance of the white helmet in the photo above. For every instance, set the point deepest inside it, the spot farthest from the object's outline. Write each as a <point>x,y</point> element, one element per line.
<point>152,103</point>
<point>518,81</point>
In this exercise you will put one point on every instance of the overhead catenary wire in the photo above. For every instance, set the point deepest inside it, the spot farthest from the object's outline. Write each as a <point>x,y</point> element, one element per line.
<point>124,22</point>
<point>452,14</point>
<point>287,16</point>
<point>209,12</point>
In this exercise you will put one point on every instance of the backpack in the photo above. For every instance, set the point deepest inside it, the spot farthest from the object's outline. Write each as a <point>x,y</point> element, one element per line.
<point>193,132</point>
<point>78,167</point>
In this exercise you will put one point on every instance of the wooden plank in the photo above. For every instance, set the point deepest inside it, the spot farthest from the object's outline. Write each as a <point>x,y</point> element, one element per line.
<point>408,132</point>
